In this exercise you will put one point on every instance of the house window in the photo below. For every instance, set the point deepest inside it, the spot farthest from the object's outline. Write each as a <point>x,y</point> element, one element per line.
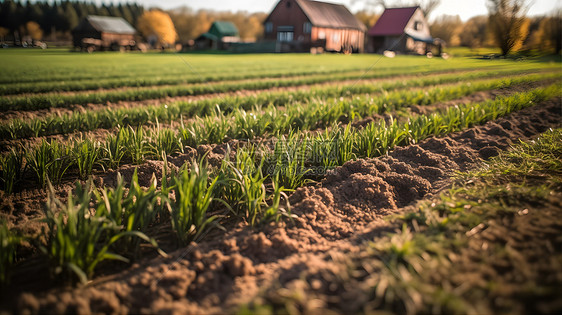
<point>268,27</point>
<point>307,28</point>
<point>284,36</point>
<point>321,35</point>
<point>417,25</point>
<point>288,4</point>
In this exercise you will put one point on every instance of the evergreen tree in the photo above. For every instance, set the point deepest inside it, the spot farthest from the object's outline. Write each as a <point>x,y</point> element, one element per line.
<point>126,13</point>
<point>70,16</point>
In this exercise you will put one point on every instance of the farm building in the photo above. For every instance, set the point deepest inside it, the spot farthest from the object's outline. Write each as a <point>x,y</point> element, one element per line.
<point>403,30</point>
<point>219,36</point>
<point>103,32</point>
<point>303,25</point>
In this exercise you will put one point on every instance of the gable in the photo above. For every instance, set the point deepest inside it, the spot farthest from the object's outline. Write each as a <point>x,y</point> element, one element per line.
<point>286,8</point>
<point>417,27</point>
<point>393,21</point>
<point>320,14</point>
<point>223,28</point>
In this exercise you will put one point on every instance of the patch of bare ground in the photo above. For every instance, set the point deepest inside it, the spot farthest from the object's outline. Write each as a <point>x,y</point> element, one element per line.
<point>11,114</point>
<point>307,260</point>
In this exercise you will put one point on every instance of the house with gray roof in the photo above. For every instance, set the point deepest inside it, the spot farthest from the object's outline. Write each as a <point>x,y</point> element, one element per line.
<point>103,32</point>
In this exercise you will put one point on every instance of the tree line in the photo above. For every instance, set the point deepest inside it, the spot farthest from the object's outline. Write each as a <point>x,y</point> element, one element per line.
<point>506,26</point>
<point>46,18</point>
<point>542,33</point>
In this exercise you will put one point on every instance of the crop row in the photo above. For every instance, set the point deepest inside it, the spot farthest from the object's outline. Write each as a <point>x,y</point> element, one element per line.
<point>175,79</point>
<point>83,85</point>
<point>52,160</point>
<point>129,71</point>
<point>42,101</point>
<point>94,224</point>
<point>91,120</point>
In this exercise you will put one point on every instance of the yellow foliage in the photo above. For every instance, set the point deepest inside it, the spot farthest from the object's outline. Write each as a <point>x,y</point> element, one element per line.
<point>34,30</point>
<point>548,37</point>
<point>191,24</point>
<point>4,31</point>
<point>368,18</point>
<point>508,24</point>
<point>158,23</point>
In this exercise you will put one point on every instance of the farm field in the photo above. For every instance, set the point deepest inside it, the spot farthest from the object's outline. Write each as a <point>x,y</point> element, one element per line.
<point>192,183</point>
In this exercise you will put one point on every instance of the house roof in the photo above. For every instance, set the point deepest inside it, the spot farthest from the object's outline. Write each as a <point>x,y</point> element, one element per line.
<point>392,21</point>
<point>330,15</point>
<point>207,36</point>
<point>110,24</point>
<point>223,28</point>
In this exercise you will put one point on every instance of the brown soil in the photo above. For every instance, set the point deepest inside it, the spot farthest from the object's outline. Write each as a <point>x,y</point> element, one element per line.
<point>306,260</point>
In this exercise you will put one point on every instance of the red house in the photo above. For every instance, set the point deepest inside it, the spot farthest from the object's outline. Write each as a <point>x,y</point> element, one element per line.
<point>403,30</point>
<point>302,25</point>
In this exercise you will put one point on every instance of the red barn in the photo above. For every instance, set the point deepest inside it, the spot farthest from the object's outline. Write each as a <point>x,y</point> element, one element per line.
<point>403,30</point>
<point>302,25</point>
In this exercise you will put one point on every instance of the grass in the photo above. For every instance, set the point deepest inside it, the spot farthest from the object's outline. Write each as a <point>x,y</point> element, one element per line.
<point>111,223</point>
<point>79,236</point>
<point>22,65</point>
<point>194,191</point>
<point>53,159</point>
<point>90,120</point>
<point>9,241</point>
<point>416,271</point>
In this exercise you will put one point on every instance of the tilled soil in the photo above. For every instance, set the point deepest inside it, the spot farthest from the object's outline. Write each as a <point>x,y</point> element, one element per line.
<point>307,259</point>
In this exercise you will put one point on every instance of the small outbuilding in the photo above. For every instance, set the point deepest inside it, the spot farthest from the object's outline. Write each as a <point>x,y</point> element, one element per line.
<point>103,32</point>
<point>402,30</point>
<point>304,25</point>
<point>219,36</point>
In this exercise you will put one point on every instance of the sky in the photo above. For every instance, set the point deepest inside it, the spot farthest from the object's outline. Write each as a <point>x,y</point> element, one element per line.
<point>464,8</point>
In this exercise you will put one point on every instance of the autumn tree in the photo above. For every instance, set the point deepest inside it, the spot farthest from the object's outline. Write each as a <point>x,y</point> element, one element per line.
<point>34,30</point>
<point>447,28</point>
<point>550,33</point>
<point>474,32</point>
<point>158,23</point>
<point>190,24</point>
<point>367,17</point>
<point>508,24</point>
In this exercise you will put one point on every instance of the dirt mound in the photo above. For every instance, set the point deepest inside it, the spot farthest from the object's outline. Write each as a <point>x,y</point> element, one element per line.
<point>305,260</point>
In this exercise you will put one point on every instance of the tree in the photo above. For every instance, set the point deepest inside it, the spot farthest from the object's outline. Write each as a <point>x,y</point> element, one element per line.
<point>474,32</point>
<point>447,28</point>
<point>427,6</point>
<point>126,13</point>
<point>367,17</point>
<point>34,30</point>
<point>508,24</point>
<point>550,31</point>
<point>70,16</point>
<point>158,23</point>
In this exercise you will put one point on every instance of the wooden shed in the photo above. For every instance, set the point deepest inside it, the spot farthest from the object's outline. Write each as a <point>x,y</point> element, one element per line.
<point>104,32</point>
<point>219,36</point>
<point>403,30</point>
<point>304,25</point>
